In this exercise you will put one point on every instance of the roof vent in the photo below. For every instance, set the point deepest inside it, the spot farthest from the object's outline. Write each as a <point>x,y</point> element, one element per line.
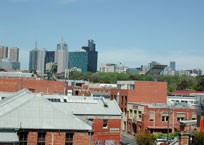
<point>104,102</point>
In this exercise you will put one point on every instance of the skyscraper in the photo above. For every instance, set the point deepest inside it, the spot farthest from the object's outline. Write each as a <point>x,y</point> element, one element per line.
<point>50,56</point>
<point>3,53</point>
<point>41,60</point>
<point>14,54</point>
<point>173,65</point>
<point>91,45</point>
<point>85,59</point>
<point>61,56</point>
<point>33,59</point>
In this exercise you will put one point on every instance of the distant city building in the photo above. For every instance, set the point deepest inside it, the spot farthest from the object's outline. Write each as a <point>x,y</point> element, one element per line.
<point>50,56</point>
<point>7,64</point>
<point>169,71</point>
<point>79,59</point>
<point>84,59</point>
<point>144,68</point>
<point>183,72</point>
<point>33,59</point>
<point>110,67</point>
<point>173,65</point>
<point>61,56</point>
<point>155,68</point>
<point>197,71</point>
<point>133,70</point>
<point>3,52</point>
<point>37,59</point>
<point>41,61</point>
<point>194,72</point>
<point>14,54</point>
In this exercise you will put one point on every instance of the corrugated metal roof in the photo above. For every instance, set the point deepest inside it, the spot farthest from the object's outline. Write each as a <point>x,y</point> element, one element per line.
<point>87,105</point>
<point>32,111</point>
<point>8,137</point>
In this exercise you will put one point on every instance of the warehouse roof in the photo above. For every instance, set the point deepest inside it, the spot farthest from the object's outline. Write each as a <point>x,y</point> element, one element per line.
<point>86,105</point>
<point>32,111</point>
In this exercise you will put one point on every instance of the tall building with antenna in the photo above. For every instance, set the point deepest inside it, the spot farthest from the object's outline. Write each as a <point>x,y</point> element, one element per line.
<point>61,56</point>
<point>37,59</point>
<point>33,58</point>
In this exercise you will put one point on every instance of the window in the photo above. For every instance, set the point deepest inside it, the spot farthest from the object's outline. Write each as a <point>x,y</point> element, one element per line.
<point>140,114</point>
<point>180,118</point>
<point>125,111</point>
<point>41,138</point>
<point>105,123</point>
<point>194,116</point>
<point>132,86</point>
<point>125,100</point>
<point>151,116</point>
<point>23,137</point>
<point>122,100</point>
<point>165,118</point>
<point>135,113</point>
<point>130,113</point>
<point>69,139</point>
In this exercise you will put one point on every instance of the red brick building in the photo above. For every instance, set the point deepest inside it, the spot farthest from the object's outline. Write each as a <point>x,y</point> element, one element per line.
<point>154,117</point>
<point>138,91</point>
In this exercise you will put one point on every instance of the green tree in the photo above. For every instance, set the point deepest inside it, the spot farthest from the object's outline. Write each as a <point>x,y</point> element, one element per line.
<point>200,85</point>
<point>198,138</point>
<point>144,139</point>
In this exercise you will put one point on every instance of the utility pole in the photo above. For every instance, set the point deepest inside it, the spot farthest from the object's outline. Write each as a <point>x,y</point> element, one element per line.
<point>168,125</point>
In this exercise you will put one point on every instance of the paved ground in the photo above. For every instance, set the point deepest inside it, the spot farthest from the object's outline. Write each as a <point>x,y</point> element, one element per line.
<point>128,139</point>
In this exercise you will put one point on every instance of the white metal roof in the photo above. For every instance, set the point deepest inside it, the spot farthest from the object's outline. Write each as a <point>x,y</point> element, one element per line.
<point>87,105</point>
<point>32,111</point>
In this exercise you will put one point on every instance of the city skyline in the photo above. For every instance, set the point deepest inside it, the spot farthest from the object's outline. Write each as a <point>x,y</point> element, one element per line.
<point>133,32</point>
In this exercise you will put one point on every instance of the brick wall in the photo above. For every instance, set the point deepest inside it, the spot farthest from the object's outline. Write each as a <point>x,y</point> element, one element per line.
<point>102,134</point>
<point>148,92</point>
<point>36,86</point>
<point>32,138</point>
<point>81,139</point>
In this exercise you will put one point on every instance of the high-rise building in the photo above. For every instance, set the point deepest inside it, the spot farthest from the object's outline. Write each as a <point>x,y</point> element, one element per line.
<point>33,59</point>
<point>3,52</point>
<point>61,56</point>
<point>37,59</point>
<point>91,45</point>
<point>79,59</point>
<point>85,59</point>
<point>41,60</point>
<point>14,54</point>
<point>50,56</point>
<point>173,65</point>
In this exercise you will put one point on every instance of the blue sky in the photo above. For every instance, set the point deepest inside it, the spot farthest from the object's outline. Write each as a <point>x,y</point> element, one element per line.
<point>132,32</point>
